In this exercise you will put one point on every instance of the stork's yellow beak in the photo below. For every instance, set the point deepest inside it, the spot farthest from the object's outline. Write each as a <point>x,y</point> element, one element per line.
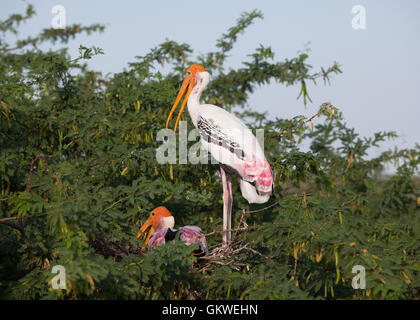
<point>187,85</point>
<point>148,224</point>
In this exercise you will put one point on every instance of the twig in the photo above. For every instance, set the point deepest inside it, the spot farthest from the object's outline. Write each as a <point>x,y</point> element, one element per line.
<point>8,219</point>
<point>266,208</point>
<point>115,203</point>
<point>21,229</point>
<point>239,225</point>
<point>345,203</point>
<point>28,184</point>
<point>275,203</point>
<point>26,217</point>
<point>12,225</point>
<point>223,231</point>
<point>258,253</point>
<point>303,122</point>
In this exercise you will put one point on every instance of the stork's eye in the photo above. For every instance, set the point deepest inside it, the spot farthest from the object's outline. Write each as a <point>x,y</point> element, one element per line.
<point>153,213</point>
<point>189,72</point>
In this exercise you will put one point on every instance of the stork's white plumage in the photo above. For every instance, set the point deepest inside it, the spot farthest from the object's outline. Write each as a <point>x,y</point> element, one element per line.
<point>229,141</point>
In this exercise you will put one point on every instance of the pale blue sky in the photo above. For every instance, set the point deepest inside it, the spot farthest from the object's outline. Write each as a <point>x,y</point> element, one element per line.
<point>377,91</point>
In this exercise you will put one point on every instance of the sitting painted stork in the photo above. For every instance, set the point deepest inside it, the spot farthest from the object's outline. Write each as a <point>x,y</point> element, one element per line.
<point>161,224</point>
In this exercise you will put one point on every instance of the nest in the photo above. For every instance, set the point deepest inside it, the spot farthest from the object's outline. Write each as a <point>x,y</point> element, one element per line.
<point>232,254</point>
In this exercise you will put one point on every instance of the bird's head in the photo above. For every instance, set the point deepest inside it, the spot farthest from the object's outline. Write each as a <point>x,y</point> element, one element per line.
<point>187,86</point>
<point>159,218</point>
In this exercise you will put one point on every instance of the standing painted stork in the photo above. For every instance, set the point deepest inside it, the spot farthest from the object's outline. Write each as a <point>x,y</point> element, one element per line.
<point>229,141</point>
<point>161,230</point>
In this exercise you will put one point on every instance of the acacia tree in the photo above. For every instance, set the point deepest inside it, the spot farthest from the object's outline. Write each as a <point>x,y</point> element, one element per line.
<point>78,173</point>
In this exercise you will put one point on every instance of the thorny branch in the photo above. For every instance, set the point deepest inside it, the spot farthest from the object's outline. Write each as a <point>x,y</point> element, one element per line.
<point>305,121</point>
<point>28,184</point>
<point>21,229</point>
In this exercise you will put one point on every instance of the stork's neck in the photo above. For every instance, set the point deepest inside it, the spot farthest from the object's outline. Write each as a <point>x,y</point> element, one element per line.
<point>202,80</point>
<point>166,222</point>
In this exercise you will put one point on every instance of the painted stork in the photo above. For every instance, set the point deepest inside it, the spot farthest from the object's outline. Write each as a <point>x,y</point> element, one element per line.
<point>229,141</point>
<point>161,224</point>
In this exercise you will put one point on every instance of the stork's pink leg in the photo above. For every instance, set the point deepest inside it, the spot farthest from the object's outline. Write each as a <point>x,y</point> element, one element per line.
<point>230,204</point>
<point>225,206</point>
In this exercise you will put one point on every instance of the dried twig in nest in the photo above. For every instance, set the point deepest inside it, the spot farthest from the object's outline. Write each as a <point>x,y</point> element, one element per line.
<point>229,255</point>
<point>226,256</point>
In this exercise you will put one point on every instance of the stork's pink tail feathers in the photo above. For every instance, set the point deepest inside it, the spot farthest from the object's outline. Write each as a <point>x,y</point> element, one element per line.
<point>257,180</point>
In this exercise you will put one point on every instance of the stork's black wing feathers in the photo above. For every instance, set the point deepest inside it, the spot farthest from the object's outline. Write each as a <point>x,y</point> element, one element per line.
<point>212,133</point>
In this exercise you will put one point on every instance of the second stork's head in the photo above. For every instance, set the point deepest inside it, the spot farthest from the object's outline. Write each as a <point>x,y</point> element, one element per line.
<point>159,218</point>
<point>192,77</point>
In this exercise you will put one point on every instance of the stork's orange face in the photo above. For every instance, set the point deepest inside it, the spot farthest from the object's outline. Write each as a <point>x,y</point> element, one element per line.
<point>187,85</point>
<point>153,223</point>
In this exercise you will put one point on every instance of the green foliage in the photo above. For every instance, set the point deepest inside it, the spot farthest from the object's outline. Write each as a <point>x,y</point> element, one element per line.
<point>78,174</point>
